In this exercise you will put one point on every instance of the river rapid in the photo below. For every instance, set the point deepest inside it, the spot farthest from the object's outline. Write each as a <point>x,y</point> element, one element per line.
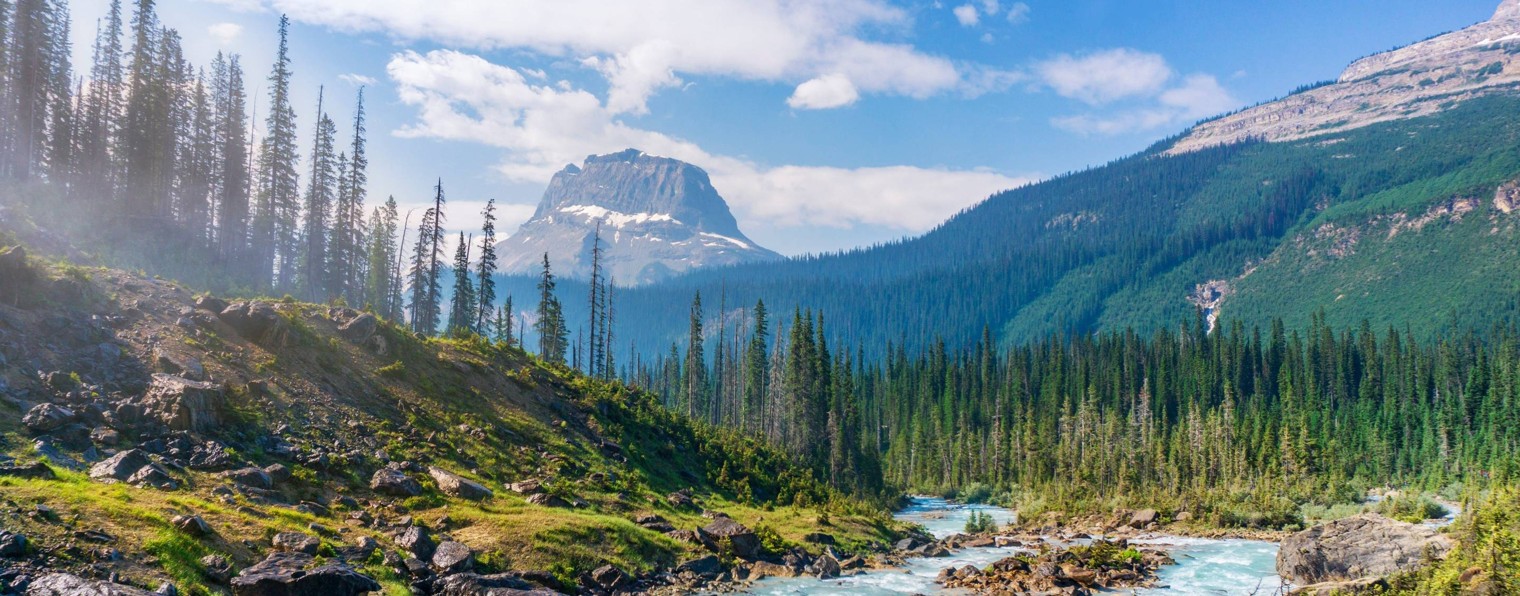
<point>1204,566</point>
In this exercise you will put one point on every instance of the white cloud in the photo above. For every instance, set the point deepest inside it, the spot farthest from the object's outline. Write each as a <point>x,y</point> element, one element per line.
<point>1198,96</point>
<point>1018,13</point>
<point>822,93</point>
<point>991,7</point>
<point>541,127</point>
<point>225,33</point>
<point>643,46</point>
<point>357,80</point>
<point>1106,76</point>
<point>967,15</point>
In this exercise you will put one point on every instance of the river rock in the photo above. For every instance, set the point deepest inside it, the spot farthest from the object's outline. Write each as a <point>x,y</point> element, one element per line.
<point>1143,518</point>
<point>455,485</point>
<point>1367,545</point>
<point>289,574</point>
<point>63,584</point>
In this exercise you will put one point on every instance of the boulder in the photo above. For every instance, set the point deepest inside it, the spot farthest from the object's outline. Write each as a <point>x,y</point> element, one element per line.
<point>217,567</point>
<point>289,574</point>
<point>1367,545</point>
<point>455,485</point>
<point>183,404</point>
<point>819,538</point>
<point>503,584</point>
<point>63,584</point>
<point>181,365</point>
<point>417,541</point>
<point>394,482</point>
<point>610,578</point>
<point>526,487</point>
<point>257,321</point>
<point>725,531</point>
<point>451,557</point>
<point>250,476</point>
<point>296,542</point>
<point>708,566</point>
<point>1368,585</point>
<point>1143,518</point>
<point>360,328</point>
<point>211,303</point>
<point>36,471</point>
<point>12,545</point>
<point>825,567</point>
<point>193,525</point>
<point>680,500</point>
<point>48,417</point>
<point>153,476</point>
<point>547,500</point>
<point>120,466</point>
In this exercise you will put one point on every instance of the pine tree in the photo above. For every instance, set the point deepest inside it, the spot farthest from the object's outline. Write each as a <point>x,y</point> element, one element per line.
<point>423,278</point>
<point>552,335</point>
<point>348,262</point>
<point>382,284</point>
<point>756,368</point>
<point>485,269</point>
<point>274,235</point>
<point>62,125</point>
<point>232,152</point>
<point>319,206</point>
<point>595,302</point>
<point>504,316</point>
<point>33,59</point>
<point>463,308</point>
<point>102,113</point>
<point>695,386</point>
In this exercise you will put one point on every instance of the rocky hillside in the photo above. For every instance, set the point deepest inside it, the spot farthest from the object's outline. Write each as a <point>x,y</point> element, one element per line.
<point>152,436</point>
<point>658,217</point>
<point>1419,79</point>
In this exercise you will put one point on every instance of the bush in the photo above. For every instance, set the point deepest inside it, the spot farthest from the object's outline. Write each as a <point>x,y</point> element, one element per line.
<point>1411,509</point>
<point>981,523</point>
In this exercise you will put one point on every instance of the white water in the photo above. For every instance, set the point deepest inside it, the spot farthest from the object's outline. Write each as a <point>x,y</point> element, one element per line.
<point>1204,567</point>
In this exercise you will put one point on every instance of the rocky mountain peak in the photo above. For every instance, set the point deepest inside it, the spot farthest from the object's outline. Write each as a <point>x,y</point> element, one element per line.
<point>1415,80</point>
<point>658,217</point>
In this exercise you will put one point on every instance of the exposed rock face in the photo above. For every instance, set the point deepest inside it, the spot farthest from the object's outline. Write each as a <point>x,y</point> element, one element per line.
<point>658,216</point>
<point>63,584</point>
<point>1416,80</point>
<point>182,404</point>
<point>1366,545</point>
<point>287,574</point>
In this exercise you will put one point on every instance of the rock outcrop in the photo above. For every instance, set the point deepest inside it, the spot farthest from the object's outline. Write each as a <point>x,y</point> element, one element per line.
<point>182,404</point>
<point>63,584</point>
<point>1415,80</point>
<point>658,217</point>
<point>292,574</point>
<point>1364,546</point>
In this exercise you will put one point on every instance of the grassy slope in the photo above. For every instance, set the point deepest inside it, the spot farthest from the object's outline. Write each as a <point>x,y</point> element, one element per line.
<point>488,412</point>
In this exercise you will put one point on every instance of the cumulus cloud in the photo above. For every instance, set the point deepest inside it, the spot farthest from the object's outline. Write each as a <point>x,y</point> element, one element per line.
<point>541,126</point>
<point>643,46</point>
<point>1197,96</point>
<point>1105,76</point>
<point>822,93</point>
<point>225,33</point>
<point>967,15</point>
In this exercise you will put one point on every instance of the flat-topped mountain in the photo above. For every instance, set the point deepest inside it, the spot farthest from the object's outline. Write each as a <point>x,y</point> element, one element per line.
<point>1415,80</point>
<point>658,217</point>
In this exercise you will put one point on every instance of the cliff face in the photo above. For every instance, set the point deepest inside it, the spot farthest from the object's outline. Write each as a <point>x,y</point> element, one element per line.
<point>658,217</point>
<point>1415,80</point>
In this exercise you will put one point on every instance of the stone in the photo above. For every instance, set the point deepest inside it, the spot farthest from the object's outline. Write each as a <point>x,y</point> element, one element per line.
<point>63,584</point>
<point>277,473</point>
<point>296,542</point>
<point>547,500</point>
<point>35,471</point>
<point>250,476</point>
<point>455,485</point>
<point>120,466</point>
<point>819,538</point>
<point>1142,518</point>
<point>417,541</point>
<point>452,557</point>
<point>1367,545</point>
<point>394,482</point>
<point>181,365</point>
<point>105,436</point>
<point>257,321</point>
<point>680,500</point>
<point>727,533</point>
<point>290,574</point>
<point>48,417</point>
<point>211,303</point>
<point>153,476</point>
<point>12,545</point>
<point>217,567</point>
<point>1183,516</point>
<point>1367,585</point>
<point>193,525</point>
<point>762,569</point>
<point>825,567</point>
<point>526,487</point>
<point>609,577</point>
<point>360,329</point>
<point>183,404</point>
<point>707,566</point>
<point>503,584</point>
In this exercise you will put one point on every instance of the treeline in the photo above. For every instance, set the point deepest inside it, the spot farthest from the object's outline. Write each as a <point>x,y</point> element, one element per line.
<point>153,156</point>
<point>1179,417</point>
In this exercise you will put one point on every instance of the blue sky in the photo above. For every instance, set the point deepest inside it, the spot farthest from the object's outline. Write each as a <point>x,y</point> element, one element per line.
<point>827,125</point>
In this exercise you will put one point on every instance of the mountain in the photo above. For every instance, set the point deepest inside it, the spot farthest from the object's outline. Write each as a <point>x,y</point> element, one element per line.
<point>1404,218</point>
<point>158,435</point>
<point>658,217</point>
<point>1415,80</point>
